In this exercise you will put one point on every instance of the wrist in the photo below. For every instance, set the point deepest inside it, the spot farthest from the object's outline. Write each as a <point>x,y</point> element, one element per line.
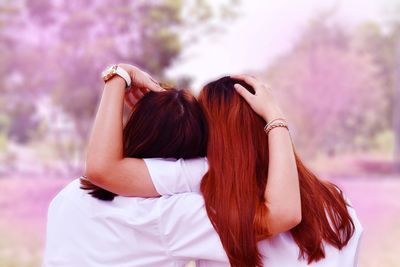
<point>116,70</point>
<point>116,81</point>
<point>273,114</point>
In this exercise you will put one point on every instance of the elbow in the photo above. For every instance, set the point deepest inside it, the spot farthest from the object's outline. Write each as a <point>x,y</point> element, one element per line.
<point>292,221</point>
<point>294,215</point>
<point>99,168</point>
<point>285,218</point>
<point>95,174</point>
<point>296,219</point>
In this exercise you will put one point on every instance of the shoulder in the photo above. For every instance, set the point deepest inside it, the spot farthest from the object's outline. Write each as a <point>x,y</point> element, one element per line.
<point>71,188</point>
<point>70,195</point>
<point>66,204</point>
<point>353,214</point>
<point>171,176</point>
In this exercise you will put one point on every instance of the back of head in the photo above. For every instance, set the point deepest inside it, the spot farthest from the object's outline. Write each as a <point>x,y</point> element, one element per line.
<point>168,124</point>
<point>234,186</point>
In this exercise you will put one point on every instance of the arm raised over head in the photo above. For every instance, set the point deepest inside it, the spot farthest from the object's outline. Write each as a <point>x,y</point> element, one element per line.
<point>106,166</point>
<point>282,193</point>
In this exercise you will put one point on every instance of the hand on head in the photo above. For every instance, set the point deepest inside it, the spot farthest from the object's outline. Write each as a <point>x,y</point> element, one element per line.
<point>262,102</point>
<point>142,83</point>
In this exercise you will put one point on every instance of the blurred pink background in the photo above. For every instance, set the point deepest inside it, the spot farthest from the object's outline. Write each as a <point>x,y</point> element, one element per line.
<point>335,67</point>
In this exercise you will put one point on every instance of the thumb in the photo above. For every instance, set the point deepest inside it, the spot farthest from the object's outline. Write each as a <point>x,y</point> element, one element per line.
<point>243,92</point>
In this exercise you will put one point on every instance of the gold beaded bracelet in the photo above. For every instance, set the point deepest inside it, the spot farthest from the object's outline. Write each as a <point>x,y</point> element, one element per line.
<point>275,123</point>
<point>270,122</point>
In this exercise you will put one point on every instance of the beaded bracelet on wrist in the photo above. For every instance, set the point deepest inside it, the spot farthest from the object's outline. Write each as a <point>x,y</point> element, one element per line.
<point>275,123</point>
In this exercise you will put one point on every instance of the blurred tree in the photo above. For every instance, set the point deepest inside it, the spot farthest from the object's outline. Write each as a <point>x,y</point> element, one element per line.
<point>60,47</point>
<point>384,47</point>
<point>17,115</point>
<point>395,24</point>
<point>396,109</point>
<point>330,90</point>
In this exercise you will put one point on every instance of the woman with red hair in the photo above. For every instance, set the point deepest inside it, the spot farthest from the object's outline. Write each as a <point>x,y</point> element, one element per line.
<point>266,206</point>
<point>236,109</point>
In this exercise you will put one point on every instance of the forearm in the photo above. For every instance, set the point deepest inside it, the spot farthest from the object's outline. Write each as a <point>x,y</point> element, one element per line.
<point>105,146</point>
<point>282,192</point>
<point>106,165</point>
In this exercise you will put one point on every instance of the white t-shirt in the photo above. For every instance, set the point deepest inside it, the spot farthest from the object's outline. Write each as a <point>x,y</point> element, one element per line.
<point>166,231</point>
<point>129,231</point>
<point>279,251</point>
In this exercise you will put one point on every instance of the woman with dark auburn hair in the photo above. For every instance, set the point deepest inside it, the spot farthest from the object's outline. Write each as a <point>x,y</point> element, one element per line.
<point>87,231</point>
<point>179,131</point>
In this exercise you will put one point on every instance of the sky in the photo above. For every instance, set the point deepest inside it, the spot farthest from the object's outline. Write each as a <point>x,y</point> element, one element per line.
<point>264,30</point>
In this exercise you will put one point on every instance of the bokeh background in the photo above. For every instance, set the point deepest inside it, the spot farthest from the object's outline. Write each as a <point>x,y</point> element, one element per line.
<point>334,65</point>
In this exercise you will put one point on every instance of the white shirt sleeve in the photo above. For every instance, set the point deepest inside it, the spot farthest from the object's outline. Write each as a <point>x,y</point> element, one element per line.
<point>171,176</point>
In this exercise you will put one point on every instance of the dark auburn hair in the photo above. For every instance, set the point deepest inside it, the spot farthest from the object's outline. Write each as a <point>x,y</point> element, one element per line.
<point>233,187</point>
<point>168,124</point>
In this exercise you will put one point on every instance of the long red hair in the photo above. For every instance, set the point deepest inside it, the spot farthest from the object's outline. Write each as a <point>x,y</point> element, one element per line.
<point>233,187</point>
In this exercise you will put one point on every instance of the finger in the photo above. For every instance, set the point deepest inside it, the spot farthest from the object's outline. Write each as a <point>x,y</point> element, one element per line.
<point>144,90</point>
<point>152,86</point>
<point>136,93</point>
<point>133,99</point>
<point>128,101</point>
<point>252,81</point>
<point>243,92</point>
<point>153,80</point>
